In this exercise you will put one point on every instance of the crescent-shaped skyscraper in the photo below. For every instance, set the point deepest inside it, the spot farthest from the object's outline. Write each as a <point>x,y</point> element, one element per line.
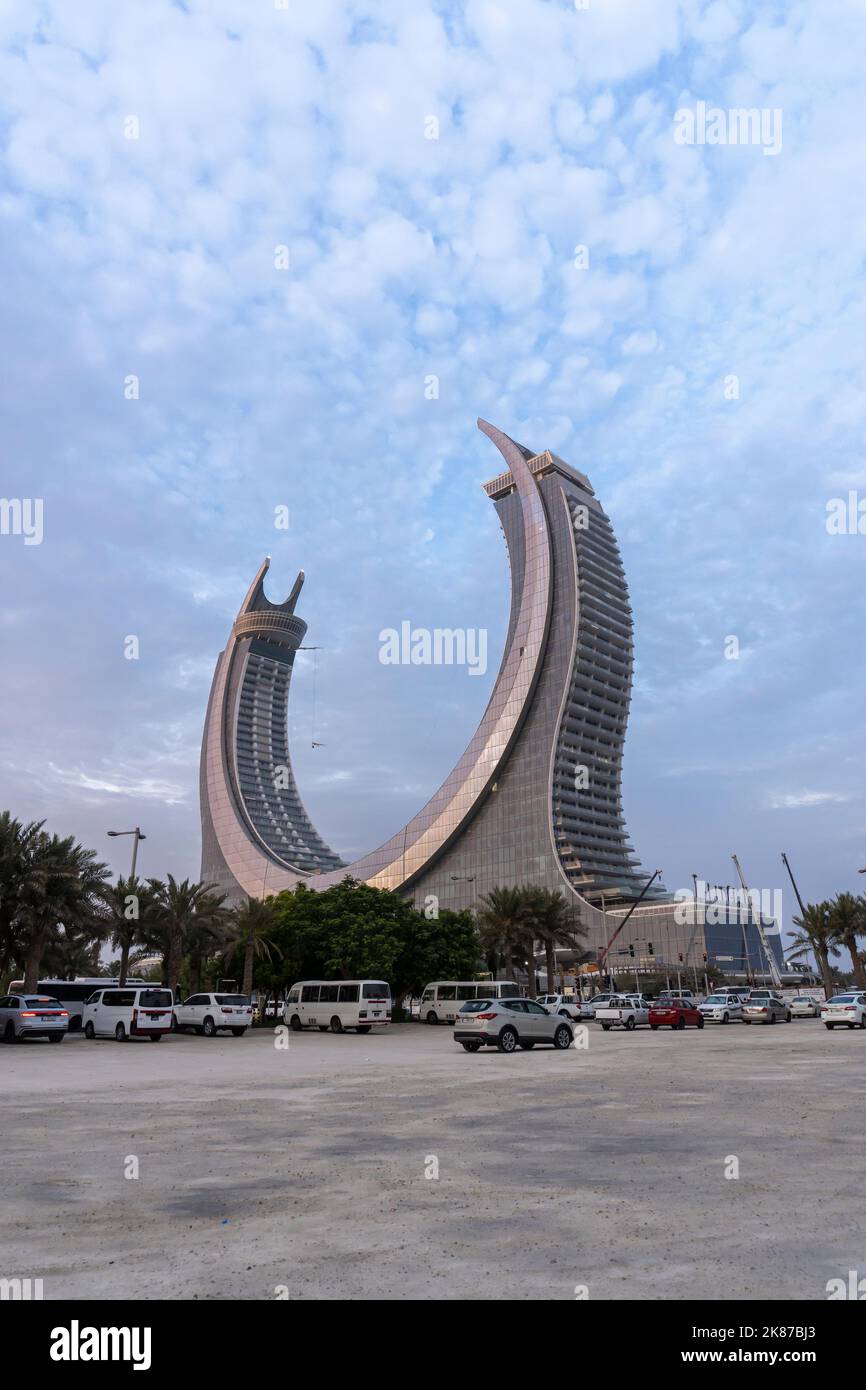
<point>536,797</point>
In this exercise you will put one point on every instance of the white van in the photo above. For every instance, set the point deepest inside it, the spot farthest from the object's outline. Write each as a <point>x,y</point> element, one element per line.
<point>443,999</point>
<point>140,1012</point>
<point>338,1005</point>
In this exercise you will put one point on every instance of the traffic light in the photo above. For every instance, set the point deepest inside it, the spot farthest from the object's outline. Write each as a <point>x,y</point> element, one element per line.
<point>649,948</point>
<point>681,957</point>
<point>705,957</point>
<point>631,951</point>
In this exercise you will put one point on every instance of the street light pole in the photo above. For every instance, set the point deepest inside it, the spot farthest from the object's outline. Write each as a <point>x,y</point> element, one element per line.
<point>137,835</point>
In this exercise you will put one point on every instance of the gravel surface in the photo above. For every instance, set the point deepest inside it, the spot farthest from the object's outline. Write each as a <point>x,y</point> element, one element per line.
<point>266,1172</point>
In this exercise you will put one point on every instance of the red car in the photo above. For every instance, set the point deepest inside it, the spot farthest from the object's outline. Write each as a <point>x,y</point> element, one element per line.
<point>674,1013</point>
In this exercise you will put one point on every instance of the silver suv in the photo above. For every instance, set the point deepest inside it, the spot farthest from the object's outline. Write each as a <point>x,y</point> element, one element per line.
<point>509,1024</point>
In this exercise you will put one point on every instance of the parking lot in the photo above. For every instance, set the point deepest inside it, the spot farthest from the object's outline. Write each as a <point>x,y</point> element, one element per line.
<point>265,1172</point>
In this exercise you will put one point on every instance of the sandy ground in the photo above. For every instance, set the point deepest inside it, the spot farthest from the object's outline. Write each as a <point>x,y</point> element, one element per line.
<point>304,1169</point>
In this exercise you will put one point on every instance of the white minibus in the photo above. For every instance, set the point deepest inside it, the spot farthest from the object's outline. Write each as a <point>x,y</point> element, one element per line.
<point>338,1004</point>
<point>442,999</point>
<point>134,1012</point>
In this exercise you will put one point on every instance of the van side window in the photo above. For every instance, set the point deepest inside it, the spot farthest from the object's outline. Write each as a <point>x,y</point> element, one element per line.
<point>328,994</point>
<point>447,991</point>
<point>348,994</point>
<point>310,994</point>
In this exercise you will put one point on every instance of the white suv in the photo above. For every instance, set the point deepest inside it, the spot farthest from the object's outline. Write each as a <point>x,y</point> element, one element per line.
<point>208,1013</point>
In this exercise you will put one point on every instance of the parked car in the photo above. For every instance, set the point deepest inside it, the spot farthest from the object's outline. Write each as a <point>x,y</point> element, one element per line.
<point>805,1006</point>
<point>844,1010</point>
<point>566,1005</point>
<point>766,1007</point>
<point>208,1013</point>
<point>758,994</point>
<point>676,994</point>
<point>129,1013</point>
<point>675,1013</point>
<point>32,1016</point>
<point>509,1024</point>
<point>721,1008</point>
<point>598,1001</point>
<point>623,1011</point>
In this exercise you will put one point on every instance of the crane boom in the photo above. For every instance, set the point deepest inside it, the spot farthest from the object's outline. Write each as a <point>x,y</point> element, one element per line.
<point>759,923</point>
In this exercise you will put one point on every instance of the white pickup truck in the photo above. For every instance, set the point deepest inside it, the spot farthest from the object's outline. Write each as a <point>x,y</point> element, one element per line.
<point>625,1011</point>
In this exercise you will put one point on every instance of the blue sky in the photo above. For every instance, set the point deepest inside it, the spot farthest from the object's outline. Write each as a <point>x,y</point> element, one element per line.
<point>304,387</point>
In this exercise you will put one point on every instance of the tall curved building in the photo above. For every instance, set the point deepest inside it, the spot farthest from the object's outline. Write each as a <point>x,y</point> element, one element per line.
<point>536,796</point>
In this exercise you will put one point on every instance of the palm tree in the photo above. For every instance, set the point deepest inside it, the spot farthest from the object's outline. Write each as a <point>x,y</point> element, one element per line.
<point>552,922</point>
<point>172,916</point>
<point>817,935</point>
<point>501,923</point>
<point>848,921</point>
<point>206,935</point>
<point>252,925</point>
<point>17,849</point>
<point>64,884</point>
<point>128,904</point>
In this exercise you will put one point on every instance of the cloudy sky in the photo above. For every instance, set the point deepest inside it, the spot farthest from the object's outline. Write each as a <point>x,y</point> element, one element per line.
<point>705,368</point>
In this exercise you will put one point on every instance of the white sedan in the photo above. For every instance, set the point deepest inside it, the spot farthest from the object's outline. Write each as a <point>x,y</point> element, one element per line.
<point>805,1006</point>
<point>721,1008</point>
<point>844,1010</point>
<point>207,1013</point>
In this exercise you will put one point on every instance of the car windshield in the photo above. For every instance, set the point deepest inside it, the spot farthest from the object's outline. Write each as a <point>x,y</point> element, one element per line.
<point>716,999</point>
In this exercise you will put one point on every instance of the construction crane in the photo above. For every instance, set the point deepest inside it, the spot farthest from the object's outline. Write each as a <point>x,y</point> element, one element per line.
<point>759,923</point>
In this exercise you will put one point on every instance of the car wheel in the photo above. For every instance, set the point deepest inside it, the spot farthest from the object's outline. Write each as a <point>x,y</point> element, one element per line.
<point>432,1018</point>
<point>863,1021</point>
<point>772,1018</point>
<point>747,1020</point>
<point>787,1018</point>
<point>726,1018</point>
<point>680,1025</point>
<point>238,1032</point>
<point>605,1027</point>
<point>156,1037</point>
<point>208,1027</point>
<point>507,1040</point>
<point>629,1025</point>
<point>295,1024</point>
<point>471,1046</point>
<point>9,1032</point>
<point>700,1022</point>
<point>363,1028</point>
<point>829,1027</point>
<point>527,1046</point>
<point>851,1026</point>
<point>120,1033</point>
<point>654,1027</point>
<point>336,1024</point>
<point>89,1031</point>
<point>563,1038</point>
<point>56,1037</point>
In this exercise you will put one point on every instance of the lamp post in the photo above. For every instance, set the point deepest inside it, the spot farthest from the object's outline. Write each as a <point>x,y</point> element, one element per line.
<point>137,835</point>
